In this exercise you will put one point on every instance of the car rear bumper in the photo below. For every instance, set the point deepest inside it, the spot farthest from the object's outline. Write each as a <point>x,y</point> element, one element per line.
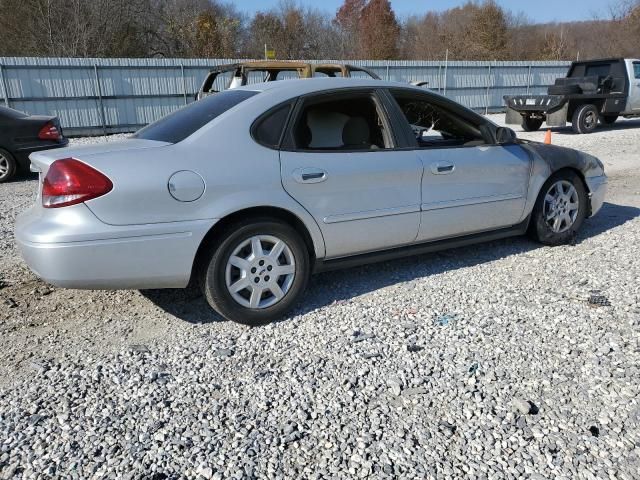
<point>71,248</point>
<point>534,103</point>
<point>597,190</point>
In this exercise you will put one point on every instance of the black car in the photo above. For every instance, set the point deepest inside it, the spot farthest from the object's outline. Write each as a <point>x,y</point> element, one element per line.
<point>21,135</point>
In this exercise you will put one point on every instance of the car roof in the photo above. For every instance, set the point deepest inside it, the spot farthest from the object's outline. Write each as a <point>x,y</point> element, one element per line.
<point>603,60</point>
<point>284,64</point>
<point>297,87</point>
<point>262,65</point>
<point>7,112</point>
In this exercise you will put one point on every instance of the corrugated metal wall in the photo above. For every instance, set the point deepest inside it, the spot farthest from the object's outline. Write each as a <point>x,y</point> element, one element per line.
<point>93,96</point>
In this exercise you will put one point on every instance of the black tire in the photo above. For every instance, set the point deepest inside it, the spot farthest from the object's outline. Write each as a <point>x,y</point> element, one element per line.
<point>564,90</point>
<point>213,275</point>
<point>531,124</point>
<point>8,166</point>
<point>585,119</point>
<point>609,119</point>
<point>539,228</point>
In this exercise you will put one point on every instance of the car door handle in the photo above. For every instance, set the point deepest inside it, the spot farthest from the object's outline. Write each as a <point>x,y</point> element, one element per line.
<point>309,175</point>
<point>442,168</point>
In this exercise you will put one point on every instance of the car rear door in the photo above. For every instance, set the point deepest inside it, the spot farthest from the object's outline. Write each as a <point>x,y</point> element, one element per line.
<point>340,162</point>
<point>469,184</point>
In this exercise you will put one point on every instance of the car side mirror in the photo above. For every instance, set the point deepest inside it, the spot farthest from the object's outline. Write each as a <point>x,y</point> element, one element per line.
<point>505,136</point>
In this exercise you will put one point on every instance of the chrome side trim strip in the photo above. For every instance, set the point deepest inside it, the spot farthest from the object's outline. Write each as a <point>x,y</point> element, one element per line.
<point>386,212</point>
<point>470,201</point>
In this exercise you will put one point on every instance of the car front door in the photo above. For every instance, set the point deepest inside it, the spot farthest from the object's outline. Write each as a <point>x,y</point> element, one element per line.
<point>633,105</point>
<point>340,162</point>
<point>470,184</point>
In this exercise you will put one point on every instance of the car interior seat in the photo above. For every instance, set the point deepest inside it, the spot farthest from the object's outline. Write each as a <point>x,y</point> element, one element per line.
<point>326,128</point>
<point>356,134</point>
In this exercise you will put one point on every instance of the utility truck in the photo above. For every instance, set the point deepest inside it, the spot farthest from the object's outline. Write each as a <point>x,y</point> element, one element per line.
<point>594,91</point>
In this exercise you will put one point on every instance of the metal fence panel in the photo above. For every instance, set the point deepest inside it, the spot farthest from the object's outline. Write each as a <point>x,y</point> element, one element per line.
<point>92,96</point>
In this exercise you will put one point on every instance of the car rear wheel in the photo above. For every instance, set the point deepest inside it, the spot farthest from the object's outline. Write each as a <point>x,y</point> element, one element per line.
<point>560,209</point>
<point>585,119</point>
<point>8,166</point>
<point>256,272</point>
<point>531,124</point>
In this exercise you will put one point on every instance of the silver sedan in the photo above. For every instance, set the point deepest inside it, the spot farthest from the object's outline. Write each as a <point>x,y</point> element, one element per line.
<point>251,190</point>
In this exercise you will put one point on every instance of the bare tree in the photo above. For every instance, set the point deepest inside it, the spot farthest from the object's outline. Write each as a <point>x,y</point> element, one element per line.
<point>379,31</point>
<point>476,30</point>
<point>488,32</point>
<point>422,38</point>
<point>347,22</point>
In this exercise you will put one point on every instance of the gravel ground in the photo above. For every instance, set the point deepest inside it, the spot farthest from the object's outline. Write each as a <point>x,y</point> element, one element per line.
<point>503,361</point>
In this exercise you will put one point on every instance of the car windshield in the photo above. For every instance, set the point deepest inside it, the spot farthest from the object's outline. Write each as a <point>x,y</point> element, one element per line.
<point>178,125</point>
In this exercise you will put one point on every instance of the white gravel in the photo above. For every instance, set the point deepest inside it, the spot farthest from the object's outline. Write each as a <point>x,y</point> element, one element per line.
<point>507,360</point>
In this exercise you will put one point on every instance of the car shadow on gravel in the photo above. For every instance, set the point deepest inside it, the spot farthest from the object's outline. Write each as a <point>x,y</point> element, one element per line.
<point>342,285</point>
<point>610,216</point>
<point>23,177</point>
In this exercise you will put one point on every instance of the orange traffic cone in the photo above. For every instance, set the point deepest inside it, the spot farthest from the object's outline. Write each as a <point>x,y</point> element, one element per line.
<point>547,137</point>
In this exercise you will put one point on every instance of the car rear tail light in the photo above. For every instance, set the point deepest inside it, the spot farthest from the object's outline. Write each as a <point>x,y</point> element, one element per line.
<point>50,131</point>
<point>70,181</point>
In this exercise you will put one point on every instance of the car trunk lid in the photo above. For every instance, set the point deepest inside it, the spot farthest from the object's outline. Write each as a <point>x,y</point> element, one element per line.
<point>40,161</point>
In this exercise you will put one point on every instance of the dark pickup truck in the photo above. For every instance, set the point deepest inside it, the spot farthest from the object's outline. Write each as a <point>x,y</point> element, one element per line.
<point>593,91</point>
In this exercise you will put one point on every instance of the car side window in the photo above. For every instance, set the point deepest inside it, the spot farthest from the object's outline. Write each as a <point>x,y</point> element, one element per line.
<point>287,75</point>
<point>636,70</point>
<point>435,126</point>
<point>268,129</point>
<point>327,72</point>
<point>256,76</point>
<point>356,73</point>
<point>341,123</point>
<point>218,81</point>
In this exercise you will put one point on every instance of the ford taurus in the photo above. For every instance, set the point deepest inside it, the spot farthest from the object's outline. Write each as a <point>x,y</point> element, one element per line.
<point>251,190</point>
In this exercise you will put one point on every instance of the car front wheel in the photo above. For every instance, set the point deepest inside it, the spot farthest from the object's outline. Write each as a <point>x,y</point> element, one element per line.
<point>560,209</point>
<point>256,272</point>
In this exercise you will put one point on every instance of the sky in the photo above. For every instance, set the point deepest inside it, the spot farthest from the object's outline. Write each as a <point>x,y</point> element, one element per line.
<point>537,10</point>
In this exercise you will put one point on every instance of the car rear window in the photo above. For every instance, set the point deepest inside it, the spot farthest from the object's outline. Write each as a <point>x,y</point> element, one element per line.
<point>11,113</point>
<point>598,70</point>
<point>178,125</point>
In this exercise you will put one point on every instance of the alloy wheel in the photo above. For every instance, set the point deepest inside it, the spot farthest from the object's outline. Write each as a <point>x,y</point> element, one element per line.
<point>561,206</point>
<point>260,271</point>
<point>4,166</point>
